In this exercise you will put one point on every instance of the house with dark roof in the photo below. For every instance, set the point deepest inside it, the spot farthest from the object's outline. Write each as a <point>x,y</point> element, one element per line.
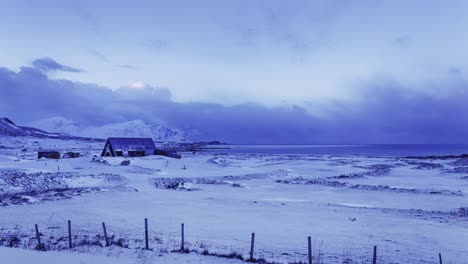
<point>128,147</point>
<point>48,154</point>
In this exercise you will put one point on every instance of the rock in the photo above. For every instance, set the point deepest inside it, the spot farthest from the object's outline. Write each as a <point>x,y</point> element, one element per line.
<point>125,163</point>
<point>100,160</point>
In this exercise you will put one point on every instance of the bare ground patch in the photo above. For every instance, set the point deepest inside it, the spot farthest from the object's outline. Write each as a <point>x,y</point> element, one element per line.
<point>17,188</point>
<point>460,214</point>
<point>367,187</point>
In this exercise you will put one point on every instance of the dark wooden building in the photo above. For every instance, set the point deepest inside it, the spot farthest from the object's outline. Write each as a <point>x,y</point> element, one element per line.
<point>167,153</point>
<point>70,155</point>
<point>50,154</point>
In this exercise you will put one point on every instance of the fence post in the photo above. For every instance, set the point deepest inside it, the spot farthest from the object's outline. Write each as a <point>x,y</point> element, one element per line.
<point>182,248</point>
<point>105,233</point>
<point>70,245</point>
<point>38,236</point>
<point>309,242</point>
<point>252,242</point>
<point>374,260</point>
<point>440,258</point>
<point>146,234</point>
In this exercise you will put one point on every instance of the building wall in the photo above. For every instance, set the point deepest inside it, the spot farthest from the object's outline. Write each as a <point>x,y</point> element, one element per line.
<point>48,155</point>
<point>107,151</point>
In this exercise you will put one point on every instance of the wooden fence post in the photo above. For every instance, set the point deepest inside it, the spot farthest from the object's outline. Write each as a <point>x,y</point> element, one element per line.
<point>70,245</point>
<point>182,248</point>
<point>105,233</point>
<point>146,234</point>
<point>374,260</point>
<point>309,242</point>
<point>38,236</point>
<point>252,242</point>
<point>440,258</point>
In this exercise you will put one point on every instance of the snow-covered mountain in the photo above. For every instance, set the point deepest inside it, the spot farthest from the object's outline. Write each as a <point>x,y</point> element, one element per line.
<point>9,128</point>
<point>57,124</point>
<point>135,128</point>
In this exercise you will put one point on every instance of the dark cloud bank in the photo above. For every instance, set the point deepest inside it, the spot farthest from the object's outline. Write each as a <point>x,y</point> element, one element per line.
<point>47,64</point>
<point>386,113</point>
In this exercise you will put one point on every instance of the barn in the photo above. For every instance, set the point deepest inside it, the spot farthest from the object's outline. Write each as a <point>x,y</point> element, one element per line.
<point>71,154</point>
<point>48,154</point>
<point>128,147</point>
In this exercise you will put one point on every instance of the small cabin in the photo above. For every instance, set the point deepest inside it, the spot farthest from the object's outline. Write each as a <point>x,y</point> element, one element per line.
<point>128,147</point>
<point>70,155</point>
<point>167,153</point>
<point>48,154</point>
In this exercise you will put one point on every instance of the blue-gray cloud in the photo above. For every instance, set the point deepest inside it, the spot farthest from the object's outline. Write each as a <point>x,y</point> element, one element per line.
<point>47,64</point>
<point>98,55</point>
<point>155,44</point>
<point>388,112</point>
<point>316,48</point>
<point>127,66</point>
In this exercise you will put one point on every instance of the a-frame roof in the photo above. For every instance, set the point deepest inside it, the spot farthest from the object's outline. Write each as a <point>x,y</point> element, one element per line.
<point>127,144</point>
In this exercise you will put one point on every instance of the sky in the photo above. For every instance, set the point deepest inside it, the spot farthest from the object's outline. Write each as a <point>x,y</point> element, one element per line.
<point>267,71</point>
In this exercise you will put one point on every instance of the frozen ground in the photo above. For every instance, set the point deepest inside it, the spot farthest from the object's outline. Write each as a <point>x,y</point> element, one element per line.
<point>13,255</point>
<point>411,209</point>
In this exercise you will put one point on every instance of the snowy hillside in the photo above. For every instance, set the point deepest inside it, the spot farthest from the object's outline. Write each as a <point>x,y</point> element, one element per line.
<point>135,128</point>
<point>57,124</point>
<point>9,128</point>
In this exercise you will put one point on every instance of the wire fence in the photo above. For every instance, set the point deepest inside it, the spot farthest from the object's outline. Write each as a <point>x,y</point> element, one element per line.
<point>115,241</point>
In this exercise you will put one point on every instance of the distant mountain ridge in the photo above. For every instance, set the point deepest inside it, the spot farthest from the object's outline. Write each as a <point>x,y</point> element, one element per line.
<point>135,128</point>
<point>9,128</point>
<point>57,125</point>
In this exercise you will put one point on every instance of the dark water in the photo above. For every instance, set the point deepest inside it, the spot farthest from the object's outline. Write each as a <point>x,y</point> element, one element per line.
<point>396,150</point>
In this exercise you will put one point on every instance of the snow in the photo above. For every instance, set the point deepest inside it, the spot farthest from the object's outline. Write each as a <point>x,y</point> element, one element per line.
<point>20,256</point>
<point>57,124</point>
<point>135,128</point>
<point>221,199</point>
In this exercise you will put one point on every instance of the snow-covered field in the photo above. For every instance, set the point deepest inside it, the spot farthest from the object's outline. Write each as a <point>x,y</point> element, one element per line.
<point>410,209</point>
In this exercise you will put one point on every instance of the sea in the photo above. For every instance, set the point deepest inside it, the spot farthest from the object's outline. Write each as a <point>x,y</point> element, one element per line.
<point>374,150</point>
